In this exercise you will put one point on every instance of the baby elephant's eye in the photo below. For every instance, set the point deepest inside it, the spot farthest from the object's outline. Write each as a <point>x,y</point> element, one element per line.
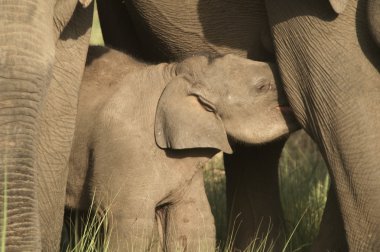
<point>206,104</point>
<point>264,86</point>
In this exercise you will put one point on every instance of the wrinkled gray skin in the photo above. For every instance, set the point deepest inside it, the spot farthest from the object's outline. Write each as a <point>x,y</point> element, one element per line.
<point>144,132</point>
<point>330,66</point>
<point>43,46</point>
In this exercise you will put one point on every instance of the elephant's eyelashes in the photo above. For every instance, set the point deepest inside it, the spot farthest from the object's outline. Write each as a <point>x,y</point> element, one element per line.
<point>263,86</point>
<point>206,104</point>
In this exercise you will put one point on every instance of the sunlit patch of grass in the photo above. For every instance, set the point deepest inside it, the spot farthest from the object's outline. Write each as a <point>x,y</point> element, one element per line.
<point>86,231</point>
<point>4,199</point>
<point>304,183</point>
<point>215,184</point>
<point>258,244</point>
<point>96,32</point>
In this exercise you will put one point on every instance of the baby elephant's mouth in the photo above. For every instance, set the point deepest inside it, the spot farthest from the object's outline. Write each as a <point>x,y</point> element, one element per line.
<point>289,116</point>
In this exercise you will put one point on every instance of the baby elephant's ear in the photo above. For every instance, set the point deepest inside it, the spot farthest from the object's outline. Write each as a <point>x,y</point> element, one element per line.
<point>182,122</point>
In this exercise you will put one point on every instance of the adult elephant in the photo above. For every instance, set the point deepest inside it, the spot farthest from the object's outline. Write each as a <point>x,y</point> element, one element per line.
<point>329,64</point>
<point>330,67</point>
<point>43,46</point>
<point>160,30</point>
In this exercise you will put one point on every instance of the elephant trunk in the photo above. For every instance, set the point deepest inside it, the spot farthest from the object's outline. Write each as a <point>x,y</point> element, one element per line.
<point>19,101</point>
<point>25,69</point>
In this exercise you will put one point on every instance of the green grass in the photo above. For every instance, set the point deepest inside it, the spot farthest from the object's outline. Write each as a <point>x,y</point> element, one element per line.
<point>303,186</point>
<point>85,231</point>
<point>4,201</point>
<point>4,210</point>
<point>215,184</point>
<point>304,183</point>
<point>96,32</point>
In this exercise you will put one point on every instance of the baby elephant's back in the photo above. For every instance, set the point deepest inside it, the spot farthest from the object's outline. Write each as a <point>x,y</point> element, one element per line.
<point>104,68</point>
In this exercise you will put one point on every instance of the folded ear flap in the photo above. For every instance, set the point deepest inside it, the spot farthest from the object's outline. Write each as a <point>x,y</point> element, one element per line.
<point>338,5</point>
<point>182,123</point>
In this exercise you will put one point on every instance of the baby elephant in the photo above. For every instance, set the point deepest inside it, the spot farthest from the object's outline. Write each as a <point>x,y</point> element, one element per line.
<point>144,131</point>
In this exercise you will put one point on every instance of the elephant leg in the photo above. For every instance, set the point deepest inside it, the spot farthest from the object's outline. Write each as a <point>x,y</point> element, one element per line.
<point>34,146</point>
<point>353,161</point>
<point>253,197</point>
<point>132,226</point>
<point>189,223</point>
<point>331,236</point>
<point>117,27</point>
<point>57,123</point>
<point>25,69</point>
<point>338,107</point>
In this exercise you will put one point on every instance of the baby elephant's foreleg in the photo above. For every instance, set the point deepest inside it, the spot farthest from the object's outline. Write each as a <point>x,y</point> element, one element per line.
<point>133,227</point>
<point>190,223</point>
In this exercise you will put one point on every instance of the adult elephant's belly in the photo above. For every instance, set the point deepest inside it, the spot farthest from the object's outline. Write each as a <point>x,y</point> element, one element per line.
<point>181,28</point>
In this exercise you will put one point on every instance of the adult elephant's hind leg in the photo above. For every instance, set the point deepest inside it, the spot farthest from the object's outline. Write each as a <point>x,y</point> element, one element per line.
<point>189,222</point>
<point>253,196</point>
<point>117,27</point>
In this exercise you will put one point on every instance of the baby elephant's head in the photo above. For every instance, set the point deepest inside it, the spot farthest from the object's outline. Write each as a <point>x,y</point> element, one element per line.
<point>213,100</point>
